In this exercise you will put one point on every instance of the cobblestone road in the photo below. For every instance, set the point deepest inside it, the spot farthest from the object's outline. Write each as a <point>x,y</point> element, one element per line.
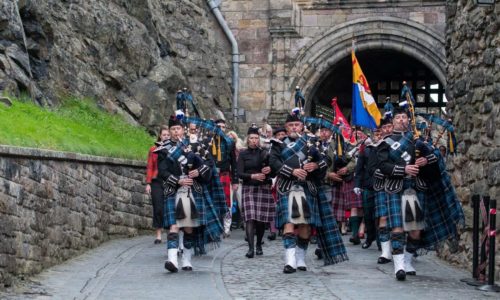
<point>133,269</point>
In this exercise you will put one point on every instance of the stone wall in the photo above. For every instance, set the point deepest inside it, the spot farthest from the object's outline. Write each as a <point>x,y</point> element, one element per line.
<point>473,55</point>
<point>131,55</point>
<point>54,206</point>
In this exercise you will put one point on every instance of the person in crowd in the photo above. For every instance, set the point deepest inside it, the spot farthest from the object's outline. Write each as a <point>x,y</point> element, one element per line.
<point>154,185</point>
<point>381,209</point>
<point>224,155</point>
<point>188,205</point>
<point>258,204</point>
<point>278,135</point>
<point>266,134</point>
<point>400,167</point>
<point>363,177</point>
<point>300,100</point>
<point>236,205</point>
<point>301,202</point>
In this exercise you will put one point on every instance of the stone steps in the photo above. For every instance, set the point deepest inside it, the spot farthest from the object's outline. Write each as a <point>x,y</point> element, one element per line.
<point>277,118</point>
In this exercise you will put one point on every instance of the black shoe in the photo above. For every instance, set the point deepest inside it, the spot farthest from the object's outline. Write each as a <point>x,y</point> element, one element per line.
<point>171,267</point>
<point>366,244</point>
<point>355,240</point>
<point>288,269</point>
<point>318,253</point>
<point>382,260</point>
<point>271,236</point>
<point>250,253</point>
<point>302,268</point>
<point>400,275</point>
<point>258,250</point>
<point>411,273</point>
<point>157,241</point>
<point>187,268</point>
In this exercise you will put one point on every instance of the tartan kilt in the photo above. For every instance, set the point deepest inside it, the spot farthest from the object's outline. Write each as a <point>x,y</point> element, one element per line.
<point>258,203</point>
<point>225,180</point>
<point>395,214</point>
<point>169,211</point>
<point>328,233</point>
<point>381,204</point>
<point>329,237</point>
<point>351,199</point>
<point>282,215</point>
<point>210,229</point>
<point>333,194</point>
<point>441,217</point>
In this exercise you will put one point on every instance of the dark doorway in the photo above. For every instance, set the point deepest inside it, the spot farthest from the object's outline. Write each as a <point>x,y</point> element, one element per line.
<point>385,71</point>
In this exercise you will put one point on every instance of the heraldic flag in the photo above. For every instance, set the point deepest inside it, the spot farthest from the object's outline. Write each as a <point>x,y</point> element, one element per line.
<point>365,112</point>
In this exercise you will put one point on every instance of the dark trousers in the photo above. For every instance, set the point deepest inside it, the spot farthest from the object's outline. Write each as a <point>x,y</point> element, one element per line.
<point>157,200</point>
<point>369,214</point>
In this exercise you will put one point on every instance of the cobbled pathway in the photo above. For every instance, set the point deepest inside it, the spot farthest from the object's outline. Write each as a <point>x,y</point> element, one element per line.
<point>133,269</point>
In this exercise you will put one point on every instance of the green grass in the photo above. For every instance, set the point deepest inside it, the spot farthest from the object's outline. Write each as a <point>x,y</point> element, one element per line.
<point>76,125</point>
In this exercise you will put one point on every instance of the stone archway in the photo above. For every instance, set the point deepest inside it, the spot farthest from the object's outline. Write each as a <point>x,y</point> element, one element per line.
<point>383,33</point>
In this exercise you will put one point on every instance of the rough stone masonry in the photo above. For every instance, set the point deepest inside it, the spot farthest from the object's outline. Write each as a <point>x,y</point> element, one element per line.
<point>130,55</point>
<point>54,206</point>
<point>473,56</point>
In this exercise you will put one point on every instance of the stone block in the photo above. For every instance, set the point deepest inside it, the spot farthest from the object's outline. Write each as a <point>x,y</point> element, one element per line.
<point>281,4</point>
<point>494,174</point>
<point>324,20</point>
<point>246,23</point>
<point>309,20</point>
<point>418,17</point>
<point>251,97</point>
<point>431,18</point>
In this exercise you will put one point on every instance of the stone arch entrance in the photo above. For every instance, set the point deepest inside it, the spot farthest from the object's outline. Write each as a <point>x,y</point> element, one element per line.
<point>315,61</point>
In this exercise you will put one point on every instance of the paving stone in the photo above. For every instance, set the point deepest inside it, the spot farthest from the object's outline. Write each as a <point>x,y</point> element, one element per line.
<point>133,269</point>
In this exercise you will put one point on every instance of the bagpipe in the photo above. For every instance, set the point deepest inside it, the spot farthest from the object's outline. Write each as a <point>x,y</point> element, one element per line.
<point>418,128</point>
<point>409,102</point>
<point>315,148</point>
<point>447,128</point>
<point>192,150</point>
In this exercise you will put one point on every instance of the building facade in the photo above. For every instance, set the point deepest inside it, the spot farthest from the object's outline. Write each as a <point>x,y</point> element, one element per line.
<point>285,43</point>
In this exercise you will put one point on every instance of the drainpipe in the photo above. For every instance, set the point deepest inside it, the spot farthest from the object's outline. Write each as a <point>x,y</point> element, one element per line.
<point>235,54</point>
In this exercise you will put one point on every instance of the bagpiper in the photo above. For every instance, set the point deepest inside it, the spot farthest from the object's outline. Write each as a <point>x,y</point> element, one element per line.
<point>299,168</point>
<point>189,205</point>
<point>402,160</point>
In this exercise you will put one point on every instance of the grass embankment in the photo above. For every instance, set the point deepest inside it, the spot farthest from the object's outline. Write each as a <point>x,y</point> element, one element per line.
<point>75,126</point>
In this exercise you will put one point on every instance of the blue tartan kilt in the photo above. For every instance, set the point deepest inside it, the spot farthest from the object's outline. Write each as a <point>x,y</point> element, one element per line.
<point>395,214</point>
<point>282,215</point>
<point>210,229</point>
<point>203,202</point>
<point>169,210</point>
<point>381,204</point>
<point>441,216</point>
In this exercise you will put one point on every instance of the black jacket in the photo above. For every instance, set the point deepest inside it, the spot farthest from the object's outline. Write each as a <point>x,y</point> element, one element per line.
<point>251,161</point>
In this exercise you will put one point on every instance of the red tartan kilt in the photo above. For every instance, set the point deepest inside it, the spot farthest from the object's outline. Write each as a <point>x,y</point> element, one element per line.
<point>274,192</point>
<point>351,199</point>
<point>225,180</point>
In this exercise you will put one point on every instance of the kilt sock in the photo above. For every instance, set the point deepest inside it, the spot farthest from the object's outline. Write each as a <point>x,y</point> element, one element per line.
<point>397,242</point>
<point>172,240</point>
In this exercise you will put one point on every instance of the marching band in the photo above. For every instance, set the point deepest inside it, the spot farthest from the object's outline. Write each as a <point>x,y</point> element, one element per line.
<point>391,183</point>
